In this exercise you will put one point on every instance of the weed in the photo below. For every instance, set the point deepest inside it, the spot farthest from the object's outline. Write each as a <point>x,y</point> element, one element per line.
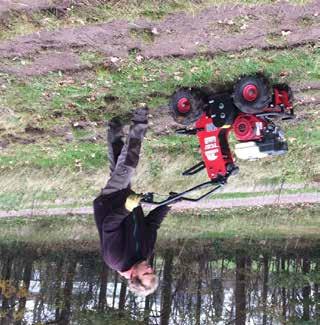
<point>275,39</point>
<point>306,21</point>
<point>91,57</point>
<point>145,35</point>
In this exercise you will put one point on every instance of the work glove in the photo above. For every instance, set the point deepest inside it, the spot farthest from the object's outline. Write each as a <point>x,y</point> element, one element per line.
<point>133,201</point>
<point>140,115</point>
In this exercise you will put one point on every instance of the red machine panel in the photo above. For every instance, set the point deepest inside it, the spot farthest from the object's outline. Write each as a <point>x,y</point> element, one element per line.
<point>248,127</point>
<point>214,146</point>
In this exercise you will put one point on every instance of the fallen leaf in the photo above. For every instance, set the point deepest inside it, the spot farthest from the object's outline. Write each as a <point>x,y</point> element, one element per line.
<point>244,26</point>
<point>154,31</point>
<point>283,73</point>
<point>139,58</point>
<point>114,59</point>
<point>285,32</point>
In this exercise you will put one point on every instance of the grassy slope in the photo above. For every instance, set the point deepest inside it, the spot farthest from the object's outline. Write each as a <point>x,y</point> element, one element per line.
<point>52,169</point>
<point>252,223</point>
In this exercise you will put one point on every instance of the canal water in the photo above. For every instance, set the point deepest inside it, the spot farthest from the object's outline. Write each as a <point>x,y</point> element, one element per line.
<point>211,282</point>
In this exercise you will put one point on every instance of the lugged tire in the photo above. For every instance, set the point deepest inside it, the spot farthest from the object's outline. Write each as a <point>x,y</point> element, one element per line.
<point>196,103</point>
<point>260,103</point>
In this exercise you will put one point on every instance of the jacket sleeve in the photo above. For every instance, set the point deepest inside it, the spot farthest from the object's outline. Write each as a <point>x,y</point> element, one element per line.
<point>115,239</point>
<point>156,216</point>
<point>107,219</point>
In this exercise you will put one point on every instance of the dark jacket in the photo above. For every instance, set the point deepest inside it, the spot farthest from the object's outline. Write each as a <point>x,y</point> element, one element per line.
<point>125,237</point>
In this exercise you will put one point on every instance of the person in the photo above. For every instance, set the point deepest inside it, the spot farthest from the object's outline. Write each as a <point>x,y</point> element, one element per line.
<point>127,237</point>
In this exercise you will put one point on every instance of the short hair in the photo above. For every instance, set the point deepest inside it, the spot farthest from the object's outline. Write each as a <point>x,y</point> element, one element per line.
<point>137,287</point>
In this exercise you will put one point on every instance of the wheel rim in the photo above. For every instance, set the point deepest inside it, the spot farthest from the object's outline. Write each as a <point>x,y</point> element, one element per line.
<point>184,105</point>
<point>250,93</point>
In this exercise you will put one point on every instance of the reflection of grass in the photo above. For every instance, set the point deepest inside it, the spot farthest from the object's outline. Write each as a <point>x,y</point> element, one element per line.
<point>102,318</point>
<point>255,223</point>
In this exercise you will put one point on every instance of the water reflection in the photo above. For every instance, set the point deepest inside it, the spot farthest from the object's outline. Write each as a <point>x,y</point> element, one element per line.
<point>201,284</point>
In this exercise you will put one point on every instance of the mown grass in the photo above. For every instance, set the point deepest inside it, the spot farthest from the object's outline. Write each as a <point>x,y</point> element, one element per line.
<point>100,11</point>
<point>251,223</point>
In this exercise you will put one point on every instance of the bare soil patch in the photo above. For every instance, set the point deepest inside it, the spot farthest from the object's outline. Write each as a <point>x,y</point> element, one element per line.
<point>7,7</point>
<point>47,62</point>
<point>214,30</point>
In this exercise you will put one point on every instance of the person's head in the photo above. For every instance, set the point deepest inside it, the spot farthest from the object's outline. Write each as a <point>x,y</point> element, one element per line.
<point>143,280</point>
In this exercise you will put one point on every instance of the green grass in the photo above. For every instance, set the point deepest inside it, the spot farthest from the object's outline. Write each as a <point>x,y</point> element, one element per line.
<point>251,223</point>
<point>47,171</point>
<point>144,35</point>
<point>254,223</point>
<point>61,100</point>
<point>111,317</point>
<point>72,157</point>
<point>82,194</point>
<point>307,21</point>
<point>150,81</point>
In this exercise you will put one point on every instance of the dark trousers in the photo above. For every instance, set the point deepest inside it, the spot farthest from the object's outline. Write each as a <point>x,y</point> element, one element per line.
<point>123,157</point>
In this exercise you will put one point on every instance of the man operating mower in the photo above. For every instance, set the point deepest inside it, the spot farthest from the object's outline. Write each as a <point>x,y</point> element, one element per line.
<point>127,237</point>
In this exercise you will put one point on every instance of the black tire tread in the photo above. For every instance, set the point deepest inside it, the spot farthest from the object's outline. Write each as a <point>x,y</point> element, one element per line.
<point>258,105</point>
<point>194,96</point>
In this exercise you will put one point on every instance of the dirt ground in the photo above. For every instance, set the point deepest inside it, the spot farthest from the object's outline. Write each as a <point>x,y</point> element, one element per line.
<point>214,30</point>
<point>274,200</point>
<point>7,6</point>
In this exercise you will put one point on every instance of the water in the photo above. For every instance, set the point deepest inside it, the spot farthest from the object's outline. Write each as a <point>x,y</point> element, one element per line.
<point>219,282</point>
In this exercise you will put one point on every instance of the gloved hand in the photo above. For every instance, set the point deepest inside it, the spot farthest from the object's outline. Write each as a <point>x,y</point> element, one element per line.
<point>140,115</point>
<point>133,201</point>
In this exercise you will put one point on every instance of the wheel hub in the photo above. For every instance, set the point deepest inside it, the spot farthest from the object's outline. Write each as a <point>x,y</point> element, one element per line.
<point>184,105</point>
<point>250,93</point>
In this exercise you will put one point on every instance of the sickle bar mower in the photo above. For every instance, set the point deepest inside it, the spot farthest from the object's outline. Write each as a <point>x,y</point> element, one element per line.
<point>248,110</point>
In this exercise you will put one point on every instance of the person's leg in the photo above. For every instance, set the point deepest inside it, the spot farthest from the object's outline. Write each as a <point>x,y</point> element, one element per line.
<point>115,141</point>
<point>129,157</point>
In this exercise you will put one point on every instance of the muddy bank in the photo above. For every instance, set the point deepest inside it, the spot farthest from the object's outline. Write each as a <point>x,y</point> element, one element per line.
<point>29,6</point>
<point>214,30</point>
